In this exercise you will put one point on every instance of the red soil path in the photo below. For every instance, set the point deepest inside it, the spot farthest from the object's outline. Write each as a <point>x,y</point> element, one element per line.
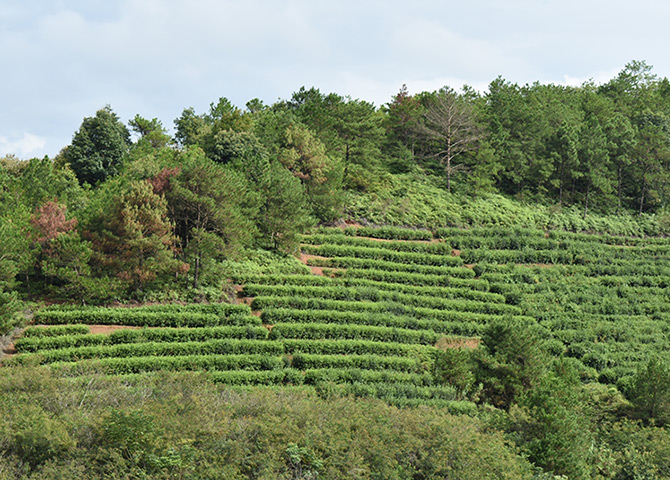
<point>305,257</point>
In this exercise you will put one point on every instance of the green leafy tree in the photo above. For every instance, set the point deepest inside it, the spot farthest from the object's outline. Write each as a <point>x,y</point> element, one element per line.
<point>299,150</point>
<point>652,159</point>
<point>152,134</point>
<point>210,131</point>
<point>350,129</point>
<point>205,198</point>
<point>359,130</point>
<point>16,257</point>
<point>403,116</point>
<point>454,366</point>
<point>132,236</point>
<point>304,155</point>
<point>42,180</point>
<point>63,259</point>
<point>622,140</point>
<point>284,212</point>
<point>506,117</point>
<point>594,161</point>
<point>649,392</point>
<point>564,152</point>
<point>553,427</point>
<point>67,265</point>
<point>98,147</point>
<point>511,362</point>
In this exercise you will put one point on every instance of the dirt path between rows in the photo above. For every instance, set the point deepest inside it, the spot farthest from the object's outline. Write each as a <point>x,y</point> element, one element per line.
<point>305,257</point>
<point>464,342</point>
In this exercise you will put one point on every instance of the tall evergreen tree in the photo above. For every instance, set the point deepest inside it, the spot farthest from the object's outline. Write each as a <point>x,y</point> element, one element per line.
<point>98,147</point>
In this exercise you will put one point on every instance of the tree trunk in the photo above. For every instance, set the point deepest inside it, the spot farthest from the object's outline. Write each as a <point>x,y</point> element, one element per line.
<point>586,201</point>
<point>618,193</point>
<point>346,161</point>
<point>196,270</point>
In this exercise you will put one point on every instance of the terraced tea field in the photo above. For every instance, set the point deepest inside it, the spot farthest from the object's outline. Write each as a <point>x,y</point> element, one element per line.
<point>378,305</point>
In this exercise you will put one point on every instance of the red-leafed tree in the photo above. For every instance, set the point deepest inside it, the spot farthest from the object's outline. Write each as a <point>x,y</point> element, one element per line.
<point>404,114</point>
<point>63,262</point>
<point>49,221</point>
<point>161,181</point>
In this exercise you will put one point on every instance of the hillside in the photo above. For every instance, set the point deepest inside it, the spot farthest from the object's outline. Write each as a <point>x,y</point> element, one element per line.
<point>322,288</point>
<point>453,319</point>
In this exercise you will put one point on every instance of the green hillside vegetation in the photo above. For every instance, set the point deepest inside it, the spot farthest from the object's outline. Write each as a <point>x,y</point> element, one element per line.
<point>320,288</point>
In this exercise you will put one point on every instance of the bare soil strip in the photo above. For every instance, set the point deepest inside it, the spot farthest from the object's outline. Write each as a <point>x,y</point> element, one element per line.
<point>465,342</point>
<point>7,343</point>
<point>305,257</point>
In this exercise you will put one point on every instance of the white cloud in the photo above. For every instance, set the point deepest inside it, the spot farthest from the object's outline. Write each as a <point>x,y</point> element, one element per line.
<point>23,146</point>
<point>598,78</point>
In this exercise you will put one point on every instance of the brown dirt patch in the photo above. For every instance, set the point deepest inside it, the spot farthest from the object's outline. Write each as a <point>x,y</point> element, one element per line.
<point>445,343</point>
<point>8,351</point>
<point>455,253</point>
<point>317,271</point>
<point>239,300</point>
<point>304,257</point>
<point>7,343</point>
<point>244,300</point>
<point>107,329</point>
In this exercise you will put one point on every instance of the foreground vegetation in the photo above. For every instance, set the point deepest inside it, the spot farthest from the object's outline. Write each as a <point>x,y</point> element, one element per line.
<point>184,426</point>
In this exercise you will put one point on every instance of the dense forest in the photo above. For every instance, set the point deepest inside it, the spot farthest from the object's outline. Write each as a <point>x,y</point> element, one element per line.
<point>481,291</point>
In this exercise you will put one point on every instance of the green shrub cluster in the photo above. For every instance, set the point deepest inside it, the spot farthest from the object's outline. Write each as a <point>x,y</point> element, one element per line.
<point>130,317</point>
<point>383,265</point>
<point>287,315</point>
<point>406,286</point>
<point>39,332</point>
<point>434,248</point>
<point>304,361</point>
<point>359,294</point>
<point>386,232</point>
<point>355,347</point>
<point>322,331</point>
<point>123,365</point>
<point>378,253</point>
<point>146,349</point>
<point>33,344</point>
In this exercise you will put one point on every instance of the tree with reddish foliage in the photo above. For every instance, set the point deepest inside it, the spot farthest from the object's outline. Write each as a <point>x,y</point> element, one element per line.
<point>49,221</point>
<point>161,181</point>
<point>404,113</point>
<point>134,239</point>
<point>63,260</point>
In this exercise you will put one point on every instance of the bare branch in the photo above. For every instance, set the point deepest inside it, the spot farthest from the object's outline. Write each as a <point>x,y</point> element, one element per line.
<point>449,123</point>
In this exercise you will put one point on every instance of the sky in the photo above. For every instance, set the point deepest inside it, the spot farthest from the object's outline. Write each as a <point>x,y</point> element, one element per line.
<point>64,60</point>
